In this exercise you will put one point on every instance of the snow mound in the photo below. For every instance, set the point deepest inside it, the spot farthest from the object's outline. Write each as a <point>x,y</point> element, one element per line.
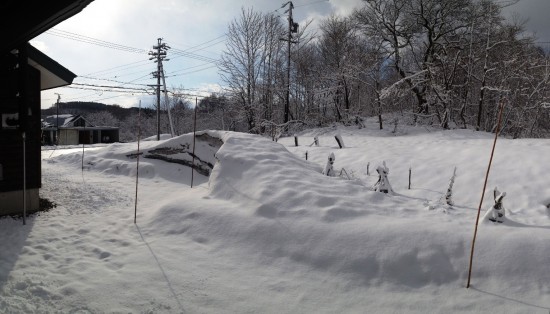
<point>267,232</point>
<point>277,206</point>
<point>120,158</point>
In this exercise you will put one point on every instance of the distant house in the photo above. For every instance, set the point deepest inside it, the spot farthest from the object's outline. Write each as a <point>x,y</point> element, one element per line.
<point>70,129</point>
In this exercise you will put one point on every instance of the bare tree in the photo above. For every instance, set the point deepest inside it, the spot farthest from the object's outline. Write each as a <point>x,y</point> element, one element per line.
<point>241,61</point>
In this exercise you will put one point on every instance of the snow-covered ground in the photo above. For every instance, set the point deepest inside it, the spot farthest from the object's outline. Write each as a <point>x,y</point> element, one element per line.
<point>266,232</point>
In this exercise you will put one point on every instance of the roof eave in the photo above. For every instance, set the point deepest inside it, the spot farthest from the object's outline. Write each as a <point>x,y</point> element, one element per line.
<point>52,74</point>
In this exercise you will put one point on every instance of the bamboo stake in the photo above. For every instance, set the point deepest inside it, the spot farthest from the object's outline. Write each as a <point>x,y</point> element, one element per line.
<point>410,173</point>
<point>501,109</point>
<point>24,179</point>
<point>194,132</point>
<point>368,166</point>
<point>83,137</point>
<point>137,163</point>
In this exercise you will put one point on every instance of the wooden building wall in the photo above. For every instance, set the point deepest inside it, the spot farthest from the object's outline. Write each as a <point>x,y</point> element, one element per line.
<point>20,112</point>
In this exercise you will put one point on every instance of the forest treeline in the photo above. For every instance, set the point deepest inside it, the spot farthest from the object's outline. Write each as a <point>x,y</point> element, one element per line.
<point>448,63</point>
<point>445,63</point>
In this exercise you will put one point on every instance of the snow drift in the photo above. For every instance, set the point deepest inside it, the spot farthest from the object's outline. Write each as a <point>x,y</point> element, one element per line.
<point>266,231</point>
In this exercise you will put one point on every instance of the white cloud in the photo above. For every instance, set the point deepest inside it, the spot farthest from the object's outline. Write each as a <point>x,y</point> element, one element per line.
<point>345,7</point>
<point>182,24</point>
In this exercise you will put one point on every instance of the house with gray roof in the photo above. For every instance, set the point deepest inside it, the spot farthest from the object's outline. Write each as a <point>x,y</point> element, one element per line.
<point>67,129</point>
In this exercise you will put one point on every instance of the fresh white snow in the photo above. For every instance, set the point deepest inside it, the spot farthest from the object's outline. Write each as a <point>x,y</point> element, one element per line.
<point>267,232</point>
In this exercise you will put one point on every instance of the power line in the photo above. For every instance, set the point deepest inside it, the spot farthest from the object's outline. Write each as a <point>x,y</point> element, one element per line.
<point>188,68</point>
<point>108,80</point>
<point>188,52</point>
<point>94,41</point>
<point>201,44</point>
<point>195,71</point>
<point>123,88</point>
<point>206,42</point>
<point>191,55</point>
<point>106,44</point>
<point>121,67</point>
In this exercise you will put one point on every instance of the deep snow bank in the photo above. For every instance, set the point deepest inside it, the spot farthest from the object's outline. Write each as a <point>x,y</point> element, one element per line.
<point>272,207</point>
<point>280,207</point>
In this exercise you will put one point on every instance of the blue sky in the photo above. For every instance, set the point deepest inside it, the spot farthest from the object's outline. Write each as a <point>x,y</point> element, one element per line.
<point>107,43</point>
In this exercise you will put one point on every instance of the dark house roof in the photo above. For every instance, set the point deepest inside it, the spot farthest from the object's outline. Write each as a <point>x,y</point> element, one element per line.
<point>69,121</point>
<point>64,120</point>
<point>22,20</point>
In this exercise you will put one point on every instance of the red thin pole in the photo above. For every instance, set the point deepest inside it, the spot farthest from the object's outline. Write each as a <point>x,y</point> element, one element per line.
<point>483,192</point>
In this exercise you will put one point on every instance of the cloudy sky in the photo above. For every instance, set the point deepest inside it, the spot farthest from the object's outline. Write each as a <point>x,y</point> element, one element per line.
<point>107,43</point>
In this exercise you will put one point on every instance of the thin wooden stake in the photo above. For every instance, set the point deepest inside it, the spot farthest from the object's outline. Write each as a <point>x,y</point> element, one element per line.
<point>24,179</point>
<point>83,149</point>
<point>194,132</point>
<point>137,163</point>
<point>483,192</point>
<point>410,173</point>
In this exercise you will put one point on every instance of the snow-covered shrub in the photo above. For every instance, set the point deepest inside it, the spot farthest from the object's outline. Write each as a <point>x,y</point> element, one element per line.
<point>449,193</point>
<point>383,184</point>
<point>329,168</point>
<point>497,212</point>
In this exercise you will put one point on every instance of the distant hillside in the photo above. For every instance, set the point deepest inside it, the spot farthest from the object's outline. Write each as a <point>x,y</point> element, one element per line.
<point>83,108</point>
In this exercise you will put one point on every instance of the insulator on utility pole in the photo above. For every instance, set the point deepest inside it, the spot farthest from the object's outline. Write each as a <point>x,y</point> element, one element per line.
<point>295,27</point>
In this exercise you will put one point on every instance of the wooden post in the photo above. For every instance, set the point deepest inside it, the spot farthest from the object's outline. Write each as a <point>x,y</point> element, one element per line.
<point>339,140</point>
<point>83,137</point>
<point>410,172</point>
<point>295,140</point>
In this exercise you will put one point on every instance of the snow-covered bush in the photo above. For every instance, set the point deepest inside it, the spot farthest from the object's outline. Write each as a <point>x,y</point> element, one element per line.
<point>449,193</point>
<point>383,184</point>
<point>497,212</point>
<point>329,168</point>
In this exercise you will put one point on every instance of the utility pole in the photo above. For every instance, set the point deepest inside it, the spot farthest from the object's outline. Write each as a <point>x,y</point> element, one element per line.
<point>159,55</point>
<point>166,101</point>
<point>292,28</point>
<point>57,118</point>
